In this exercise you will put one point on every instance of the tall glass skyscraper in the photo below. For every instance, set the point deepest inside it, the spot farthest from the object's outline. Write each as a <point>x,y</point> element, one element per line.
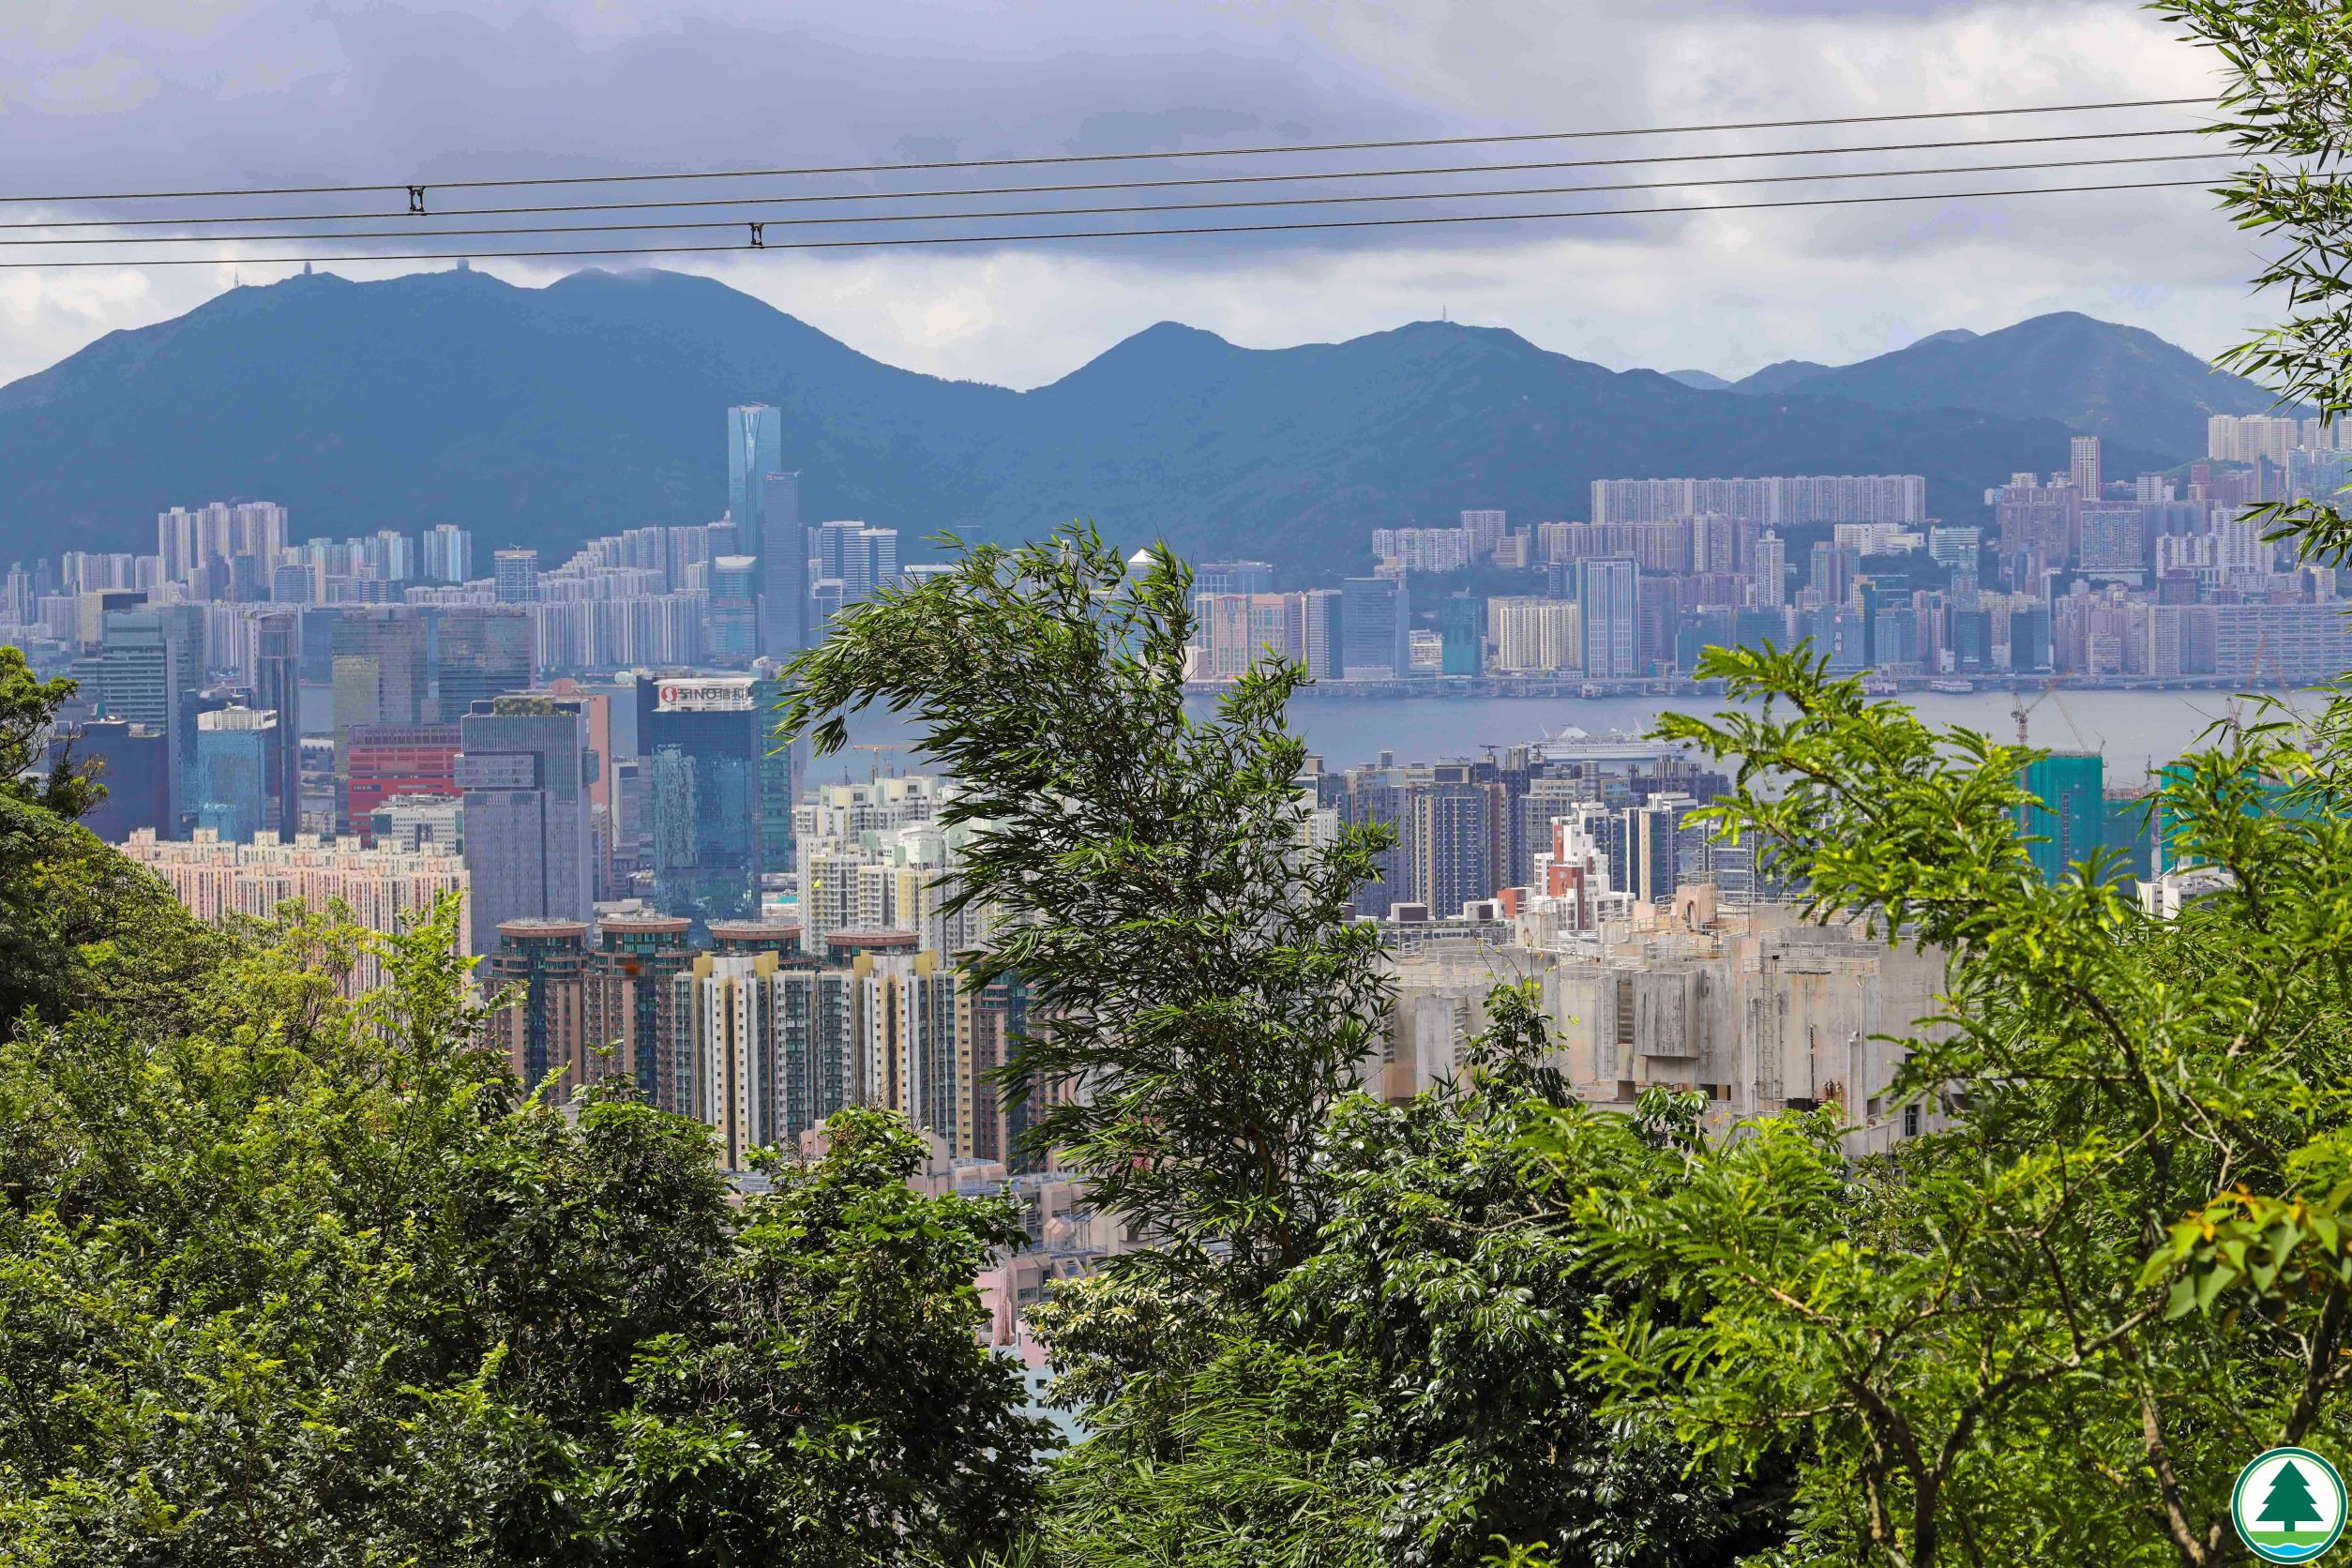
<point>782,768</point>
<point>149,668</point>
<point>516,576</point>
<point>278,687</point>
<point>735,616</point>
<point>755,449</point>
<point>1609,603</point>
<point>783,545</point>
<point>132,761</point>
<point>522,765</point>
<point>704,742</point>
<point>1462,627</point>
<point>479,653</point>
<point>382,674</point>
<point>228,787</point>
<point>1375,623</point>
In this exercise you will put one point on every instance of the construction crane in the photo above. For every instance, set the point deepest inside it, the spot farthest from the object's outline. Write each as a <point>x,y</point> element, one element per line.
<point>2021,711</point>
<point>873,763</point>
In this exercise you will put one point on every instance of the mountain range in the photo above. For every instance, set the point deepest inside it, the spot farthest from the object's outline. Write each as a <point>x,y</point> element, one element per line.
<point>2117,382</point>
<point>544,416</point>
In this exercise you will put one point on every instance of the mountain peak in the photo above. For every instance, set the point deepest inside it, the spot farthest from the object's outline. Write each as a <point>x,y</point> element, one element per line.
<point>1446,328</point>
<point>1782,375</point>
<point>1167,353</point>
<point>1175,332</point>
<point>2102,378</point>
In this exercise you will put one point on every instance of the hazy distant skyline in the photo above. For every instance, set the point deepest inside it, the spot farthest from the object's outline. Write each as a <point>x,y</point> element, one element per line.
<point>149,93</point>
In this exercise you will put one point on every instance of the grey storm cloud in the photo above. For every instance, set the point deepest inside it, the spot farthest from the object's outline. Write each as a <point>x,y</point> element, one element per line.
<point>247,91</point>
<point>177,94</point>
<point>294,89</point>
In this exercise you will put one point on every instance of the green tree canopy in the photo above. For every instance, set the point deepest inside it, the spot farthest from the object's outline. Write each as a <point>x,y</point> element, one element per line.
<point>287,1278</point>
<point>1358,1337</point>
<point>1151,874</point>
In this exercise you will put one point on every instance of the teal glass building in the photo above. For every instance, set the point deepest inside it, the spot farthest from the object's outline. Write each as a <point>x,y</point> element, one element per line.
<point>2067,824</point>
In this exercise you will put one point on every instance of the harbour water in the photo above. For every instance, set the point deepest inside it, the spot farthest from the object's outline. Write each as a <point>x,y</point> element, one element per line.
<point>2136,731</point>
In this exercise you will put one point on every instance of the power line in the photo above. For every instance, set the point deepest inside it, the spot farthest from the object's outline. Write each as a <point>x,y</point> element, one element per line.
<point>1288,177</point>
<point>608,228</point>
<point>415,186</point>
<point>912,240</point>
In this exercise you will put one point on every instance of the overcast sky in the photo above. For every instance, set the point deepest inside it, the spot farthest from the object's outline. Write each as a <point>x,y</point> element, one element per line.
<point>175,94</point>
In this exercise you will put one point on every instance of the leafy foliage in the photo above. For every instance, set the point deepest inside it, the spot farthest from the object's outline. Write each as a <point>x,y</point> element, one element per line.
<point>2005,1342</point>
<point>2289,64</point>
<point>1411,1392</point>
<point>840,1414</point>
<point>78,921</point>
<point>285,1279</point>
<point>1152,877</point>
<point>26,707</point>
<point>1360,1338</point>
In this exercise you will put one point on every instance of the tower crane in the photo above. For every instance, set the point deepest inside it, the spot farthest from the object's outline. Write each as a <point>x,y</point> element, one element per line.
<point>2021,711</point>
<point>873,763</point>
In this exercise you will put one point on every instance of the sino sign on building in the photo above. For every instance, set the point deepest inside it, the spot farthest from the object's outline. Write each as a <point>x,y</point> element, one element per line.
<point>725,694</point>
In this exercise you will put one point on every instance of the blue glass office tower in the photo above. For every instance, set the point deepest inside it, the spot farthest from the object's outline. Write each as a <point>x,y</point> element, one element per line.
<point>783,547</point>
<point>1462,632</point>
<point>383,666</point>
<point>130,759</point>
<point>278,687</point>
<point>733,631</point>
<point>755,449</point>
<point>149,670</point>
<point>477,653</point>
<point>228,787</point>
<point>1375,624</point>
<point>780,770</point>
<point>703,739</point>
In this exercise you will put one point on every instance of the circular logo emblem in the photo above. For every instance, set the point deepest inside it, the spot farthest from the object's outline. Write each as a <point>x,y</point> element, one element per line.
<point>2288,1505</point>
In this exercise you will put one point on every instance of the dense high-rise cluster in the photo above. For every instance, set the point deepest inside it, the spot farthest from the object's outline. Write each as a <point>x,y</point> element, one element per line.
<point>2167,578</point>
<point>584,752</point>
<point>367,724</point>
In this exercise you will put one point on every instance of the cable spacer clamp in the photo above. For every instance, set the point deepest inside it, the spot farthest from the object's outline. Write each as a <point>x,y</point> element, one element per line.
<point>416,198</point>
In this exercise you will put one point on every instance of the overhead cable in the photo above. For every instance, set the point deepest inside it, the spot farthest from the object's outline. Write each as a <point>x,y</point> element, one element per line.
<point>907,241</point>
<point>415,189</point>
<point>1136,207</point>
<point>1286,177</point>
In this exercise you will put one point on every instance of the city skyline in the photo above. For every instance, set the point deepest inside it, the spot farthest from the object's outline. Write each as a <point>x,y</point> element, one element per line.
<point>982,923</point>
